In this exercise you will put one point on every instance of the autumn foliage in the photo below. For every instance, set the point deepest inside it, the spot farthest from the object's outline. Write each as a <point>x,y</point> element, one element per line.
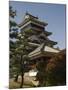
<point>55,71</point>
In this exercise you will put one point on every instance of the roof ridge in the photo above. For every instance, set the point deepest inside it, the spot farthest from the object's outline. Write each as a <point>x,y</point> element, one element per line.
<point>31,15</point>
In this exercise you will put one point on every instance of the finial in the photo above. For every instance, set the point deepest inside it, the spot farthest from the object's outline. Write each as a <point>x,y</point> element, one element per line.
<point>26,15</point>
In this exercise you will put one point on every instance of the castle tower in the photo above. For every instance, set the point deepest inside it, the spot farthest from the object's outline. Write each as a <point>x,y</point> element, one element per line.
<point>41,46</point>
<point>36,29</point>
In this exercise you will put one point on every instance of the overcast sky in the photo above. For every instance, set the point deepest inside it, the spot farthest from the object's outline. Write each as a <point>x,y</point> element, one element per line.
<point>53,14</point>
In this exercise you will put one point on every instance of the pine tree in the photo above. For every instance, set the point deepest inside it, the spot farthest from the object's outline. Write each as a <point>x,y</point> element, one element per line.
<point>19,49</point>
<point>13,32</point>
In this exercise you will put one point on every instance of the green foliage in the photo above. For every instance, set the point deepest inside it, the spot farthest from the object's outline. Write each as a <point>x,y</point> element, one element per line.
<point>41,76</point>
<point>11,12</point>
<point>13,32</point>
<point>18,49</point>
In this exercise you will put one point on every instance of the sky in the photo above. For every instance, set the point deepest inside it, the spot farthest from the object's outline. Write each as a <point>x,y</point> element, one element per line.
<point>53,14</point>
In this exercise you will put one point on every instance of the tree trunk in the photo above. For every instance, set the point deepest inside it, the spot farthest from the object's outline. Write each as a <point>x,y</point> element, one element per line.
<point>22,72</point>
<point>16,78</point>
<point>22,80</point>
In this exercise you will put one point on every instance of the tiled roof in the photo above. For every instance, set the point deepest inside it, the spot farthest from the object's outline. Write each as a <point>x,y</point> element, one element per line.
<point>34,19</point>
<point>43,48</point>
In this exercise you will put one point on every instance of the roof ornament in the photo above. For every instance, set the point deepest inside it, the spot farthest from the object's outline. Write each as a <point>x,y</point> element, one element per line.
<point>26,15</point>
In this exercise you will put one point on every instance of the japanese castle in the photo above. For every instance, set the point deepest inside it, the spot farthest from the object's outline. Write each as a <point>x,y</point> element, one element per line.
<point>41,47</point>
